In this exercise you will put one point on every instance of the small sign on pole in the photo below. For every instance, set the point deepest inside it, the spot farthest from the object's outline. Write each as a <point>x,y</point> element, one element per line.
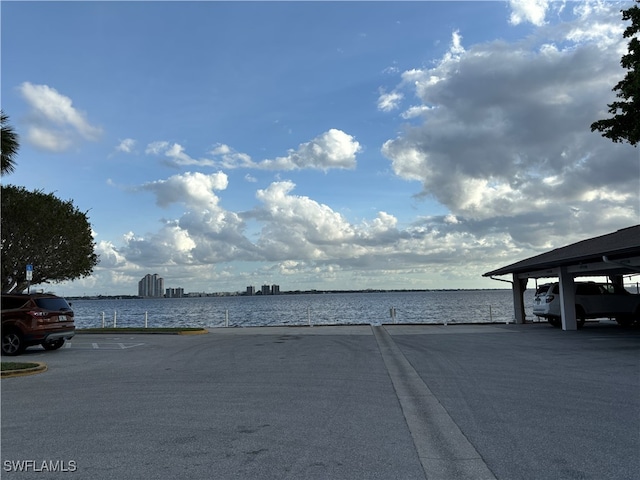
<point>29,277</point>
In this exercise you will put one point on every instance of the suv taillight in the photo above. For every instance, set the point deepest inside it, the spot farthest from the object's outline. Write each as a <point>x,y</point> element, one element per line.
<point>549,298</point>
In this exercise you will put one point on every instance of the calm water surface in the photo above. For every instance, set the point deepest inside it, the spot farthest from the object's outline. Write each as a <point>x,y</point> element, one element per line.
<point>435,307</point>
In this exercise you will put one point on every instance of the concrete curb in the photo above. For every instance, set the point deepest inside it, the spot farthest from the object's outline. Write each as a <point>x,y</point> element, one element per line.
<point>193,332</point>
<point>137,331</point>
<point>39,368</point>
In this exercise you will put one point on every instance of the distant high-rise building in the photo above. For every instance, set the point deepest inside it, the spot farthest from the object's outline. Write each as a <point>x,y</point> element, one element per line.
<point>275,289</point>
<point>251,290</point>
<point>266,290</point>
<point>174,293</point>
<point>151,286</point>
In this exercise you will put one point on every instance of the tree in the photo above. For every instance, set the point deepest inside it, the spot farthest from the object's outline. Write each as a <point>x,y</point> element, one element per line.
<point>9,147</point>
<point>46,232</point>
<point>625,123</point>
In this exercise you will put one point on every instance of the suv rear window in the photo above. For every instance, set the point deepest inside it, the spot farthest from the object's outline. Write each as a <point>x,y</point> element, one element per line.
<point>615,289</point>
<point>55,304</point>
<point>542,289</point>
<point>588,289</point>
<point>9,303</point>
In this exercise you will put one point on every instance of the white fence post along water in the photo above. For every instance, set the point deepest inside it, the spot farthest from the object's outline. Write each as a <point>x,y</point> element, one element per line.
<point>428,307</point>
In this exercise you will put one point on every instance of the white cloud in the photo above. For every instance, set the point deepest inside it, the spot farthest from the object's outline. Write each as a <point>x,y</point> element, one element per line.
<point>298,236</point>
<point>54,124</point>
<point>126,146</point>
<point>596,26</point>
<point>109,255</point>
<point>505,142</point>
<point>533,11</point>
<point>191,189</point>
<point>415,111</point>
<point>300,219</point>
<point>389,101</point>
<point>48,140</point>
<point>229,158</point>
<point>456,43</point>
<point>332,149</point>
<point>176,155</point>
<point>170,246</point>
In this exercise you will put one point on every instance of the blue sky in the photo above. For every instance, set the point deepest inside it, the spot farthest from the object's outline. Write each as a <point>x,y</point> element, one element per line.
<point>326,145</point>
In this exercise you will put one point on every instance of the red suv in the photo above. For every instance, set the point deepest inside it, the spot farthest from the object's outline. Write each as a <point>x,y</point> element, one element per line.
<point>36,319</point>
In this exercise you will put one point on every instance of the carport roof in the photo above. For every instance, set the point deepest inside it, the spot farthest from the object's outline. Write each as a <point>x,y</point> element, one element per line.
<point>616,246</point>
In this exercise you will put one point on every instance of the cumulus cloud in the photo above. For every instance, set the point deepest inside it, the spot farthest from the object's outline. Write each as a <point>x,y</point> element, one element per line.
<point>109,255</point>
<point>298,224</point>
<point>505,142</point>
<point>170,246</point>
<point>205,234</point>
<point>193,189</point>
<point>332,149</point>
<point>54,124</point>
<point>296,235</point>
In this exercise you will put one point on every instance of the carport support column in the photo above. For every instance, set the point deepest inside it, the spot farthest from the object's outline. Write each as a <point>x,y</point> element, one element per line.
<point>519,286</point>
<point>567,300</point>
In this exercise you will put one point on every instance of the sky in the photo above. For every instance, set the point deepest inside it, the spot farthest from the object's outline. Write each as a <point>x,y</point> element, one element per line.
<point>319,145</point>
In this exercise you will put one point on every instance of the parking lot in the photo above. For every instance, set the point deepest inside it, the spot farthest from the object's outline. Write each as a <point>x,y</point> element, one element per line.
<point>393,402</point>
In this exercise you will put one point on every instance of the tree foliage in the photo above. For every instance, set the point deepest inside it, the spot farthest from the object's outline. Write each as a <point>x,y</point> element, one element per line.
<point>9,145</point>
<point>46,232</point>
<point>625,123</point>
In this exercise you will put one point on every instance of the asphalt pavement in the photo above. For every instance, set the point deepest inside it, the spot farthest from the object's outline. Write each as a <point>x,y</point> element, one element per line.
<point>456,402</point>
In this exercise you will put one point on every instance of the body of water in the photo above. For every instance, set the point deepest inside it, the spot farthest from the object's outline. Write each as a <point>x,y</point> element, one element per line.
<point>433,307</point>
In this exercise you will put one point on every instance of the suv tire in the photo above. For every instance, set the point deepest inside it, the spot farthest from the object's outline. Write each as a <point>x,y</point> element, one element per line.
<point>625,321</point>
<point>557,322</point>
<point>12,342</point>
<point>53,344</point>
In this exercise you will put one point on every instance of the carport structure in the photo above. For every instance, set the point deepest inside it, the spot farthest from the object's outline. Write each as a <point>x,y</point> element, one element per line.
<point>613,255</point>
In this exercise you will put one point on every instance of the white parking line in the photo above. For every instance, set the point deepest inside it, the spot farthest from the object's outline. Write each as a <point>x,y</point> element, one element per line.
<point>102,345</point>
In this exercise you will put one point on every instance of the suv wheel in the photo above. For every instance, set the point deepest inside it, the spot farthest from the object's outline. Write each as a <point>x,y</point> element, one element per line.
<point>12,343</point>
<point>625,321</point>
<point>53,344</point>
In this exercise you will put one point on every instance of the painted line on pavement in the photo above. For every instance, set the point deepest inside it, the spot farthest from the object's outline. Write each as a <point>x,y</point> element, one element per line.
<point>101,345</point>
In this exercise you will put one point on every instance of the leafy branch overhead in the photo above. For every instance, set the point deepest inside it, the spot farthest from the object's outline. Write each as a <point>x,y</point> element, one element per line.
<point>625,123</point>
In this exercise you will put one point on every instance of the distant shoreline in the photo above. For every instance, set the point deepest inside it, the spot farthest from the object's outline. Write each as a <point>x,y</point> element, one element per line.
<point>291,292</point>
